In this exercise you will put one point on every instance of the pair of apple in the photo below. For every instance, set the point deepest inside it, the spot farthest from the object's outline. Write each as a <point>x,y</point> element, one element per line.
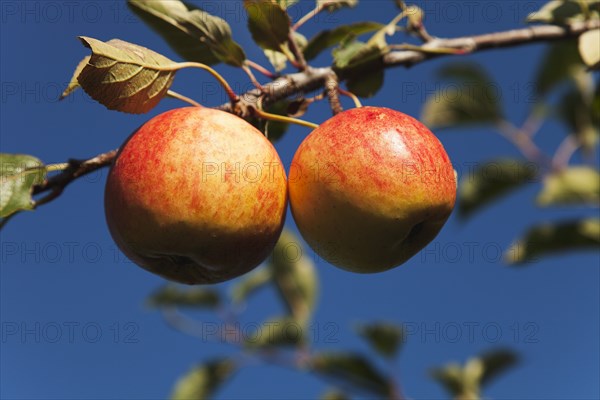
<point>199,196</point>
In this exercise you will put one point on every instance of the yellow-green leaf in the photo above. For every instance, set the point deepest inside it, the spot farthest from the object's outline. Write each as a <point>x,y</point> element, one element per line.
<point>574,185</point>
<point>328,38</point>
<point>250,283</point>
<point>384,337</point>
<point>203,381</point>
<point>589,47</point>
<point>562,12</point>
<point>18,174</point>
<point>277,332</point>
<point>125,77</point>
<point>193,33</point>
<point>560,62</point>
<point>295,276</point>
<point>551,238</point>
<point>334,5</point>
<point>74,83</point>
<point>268,23</point>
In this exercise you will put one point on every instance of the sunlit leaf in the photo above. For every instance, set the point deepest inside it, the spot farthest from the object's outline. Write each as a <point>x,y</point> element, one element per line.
<point>563,11</point>
<point>385,338</point>
<point>193,33</point>
<point>491,181</point>
<point>277,59</point>
<point>18,174</point>
<point>334,5</point>
<point>268,23</point>
<point>450,377</point>
<point>352,54</point>
<point>552,238</point>
<point>354,370</point>
<point>573,185</point>
<point>334,394</point>
<point>286,3</point>
<point>125,77</point>
<point>74,83</point>
<point>276,332</point>
<point>582,115</point>
<point>250,283</point>
<point>560,62</point>
<point>295,276</point>
<point>203,381</point>
<point>589,47</point>
<point>197,297</point>
<point>328,38</point>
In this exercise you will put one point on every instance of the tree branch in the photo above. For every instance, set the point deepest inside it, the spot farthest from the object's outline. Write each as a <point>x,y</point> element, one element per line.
<point>76,169</point>
<point>314,78</point>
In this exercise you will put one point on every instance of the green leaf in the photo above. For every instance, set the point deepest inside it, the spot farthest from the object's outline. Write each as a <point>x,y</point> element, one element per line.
<point>334,5</point>
<point>203,381</point>
<point>279,59</point>
<point>553,238</point>
<point>450,377</point>
<point>74,83</point>
<point>562,12</point>
<point>18,174</point>
<point>295,276</point>
<point>366,86</point>
<point>197,297</point>
<point>350,369</point>
<point>385,338</point>
<point>471,100</point>
<point>352,54</point>
<point>277,332</point>
<point>582,115</point>
<point>574,185</point>
<point>496,362</point>
<point>334,394</point>
<point>286,3</point>
<point>193,33</point>
<point>589,47</point>
<point>328,38</point>
<point>491,181</point>
<point>250,283</point>
<point>560,63</point>
<point>125,77</point>
<point>268,23</point>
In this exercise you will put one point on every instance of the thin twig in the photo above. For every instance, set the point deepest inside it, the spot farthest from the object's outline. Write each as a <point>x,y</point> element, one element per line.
<point>565,151</point>
<point>261,69</point>
<point>298,55</point>
<point>332,92</point>
<point>523,142</point>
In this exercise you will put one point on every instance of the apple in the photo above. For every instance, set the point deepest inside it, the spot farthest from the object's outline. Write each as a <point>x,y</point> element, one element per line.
<point>369,188</point>
<point>197,196</point>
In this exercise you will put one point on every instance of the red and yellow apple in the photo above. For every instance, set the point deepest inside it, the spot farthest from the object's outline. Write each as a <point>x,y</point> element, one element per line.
<point>369,188</point>
<point>197,196</point>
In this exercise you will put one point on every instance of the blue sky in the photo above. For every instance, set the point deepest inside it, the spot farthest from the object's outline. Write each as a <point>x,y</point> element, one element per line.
<point>74,323</point>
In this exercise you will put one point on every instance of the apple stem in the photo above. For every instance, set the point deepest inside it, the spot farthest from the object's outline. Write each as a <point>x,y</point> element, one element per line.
<point>282,118</point>
<point>181,97</point>
<point>354,98</point>
<point>234,98</point>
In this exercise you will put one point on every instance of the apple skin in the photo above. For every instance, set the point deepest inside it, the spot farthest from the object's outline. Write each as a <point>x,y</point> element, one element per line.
<point>369,188</point>
<point>197,196</point>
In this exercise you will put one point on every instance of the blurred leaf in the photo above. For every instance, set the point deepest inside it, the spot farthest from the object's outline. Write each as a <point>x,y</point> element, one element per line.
<point>582,115</point>
<point>334,5</point>
<point>350,369</point>
<point>334,394</point>
<point>268,23</point>
<point>574,185</point>
<point>286,3</point>
<point>197,297</point>
<point>450,377</point>
<point>279,59</point>
<point>552,238</point>
<point>74,83</point>
<point>589,47</point>
<point>352,54</point>
<point>560,62</point>
<point>496,362</point>
<point>250,283</point>
<point>563,11</point>
<point>18,174</point>
<point>295,276</point>
<point>125,77</point>
<point>366,86</point>
<point>193,33</point>
<point>203,381</point>
<point>277,332</point>
<point>384,338</point>
<point>471,99</point>
<point>328,38</point>
<point>492,180</point>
